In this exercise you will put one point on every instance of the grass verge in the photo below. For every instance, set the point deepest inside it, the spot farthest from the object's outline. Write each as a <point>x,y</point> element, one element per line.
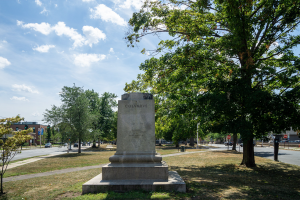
<point>208,175</point>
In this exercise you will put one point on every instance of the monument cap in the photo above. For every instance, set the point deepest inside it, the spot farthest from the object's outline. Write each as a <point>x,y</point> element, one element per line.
<point>137,96</point>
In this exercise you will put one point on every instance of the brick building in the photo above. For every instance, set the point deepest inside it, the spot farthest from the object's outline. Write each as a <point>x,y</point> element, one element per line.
<point>35,126</point>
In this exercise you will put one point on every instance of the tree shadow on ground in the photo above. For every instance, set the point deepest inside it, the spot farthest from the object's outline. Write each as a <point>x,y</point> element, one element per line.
<point>268,154</point>
<point>70,155</point>
<point>268,181</point>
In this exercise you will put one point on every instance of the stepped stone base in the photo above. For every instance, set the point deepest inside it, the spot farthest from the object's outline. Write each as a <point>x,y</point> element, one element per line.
<point>97,184</point>
<point>134,171</point>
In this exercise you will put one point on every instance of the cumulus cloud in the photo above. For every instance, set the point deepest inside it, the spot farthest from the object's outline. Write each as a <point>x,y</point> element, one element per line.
<point>111,50</point>
<point>85,60</point>
<point>3,62</point>
<point>43,27</point>
<point>107,14</point>
<point>61,29</point>
<point>24,88</point>
<point>93,35</point>
<point>43,48</point>
<point>88,0</point>
<point>38,2</point>
<point>19,98</point>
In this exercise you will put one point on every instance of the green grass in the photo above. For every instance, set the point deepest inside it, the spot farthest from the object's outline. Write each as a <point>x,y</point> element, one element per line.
<point>208,175</point>
<point>62,161</point>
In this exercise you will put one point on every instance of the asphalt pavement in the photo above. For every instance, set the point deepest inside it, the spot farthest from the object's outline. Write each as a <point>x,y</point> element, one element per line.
<point>28,153</point>
<point>286,156</point>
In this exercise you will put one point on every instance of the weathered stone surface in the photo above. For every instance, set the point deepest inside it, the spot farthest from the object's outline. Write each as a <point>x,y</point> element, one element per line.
<point>135,171</point>
<point>135,165</point>
<point>95,185</point>
<point>136,126</point>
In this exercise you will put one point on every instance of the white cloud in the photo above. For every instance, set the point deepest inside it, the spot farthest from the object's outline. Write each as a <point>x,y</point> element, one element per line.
<point>38,2</point>
<point>43,27</point>
<point>19,98</point>
<point>107,14</point>
<point>85,60</point>
<point>61,29</point>
<point>111,50</point>
<point>44,11</point>
<point>23,88</point>
<point>3,62</point>
<point>137,4</point>
<point>93,35</point>
<point>43,48</point>
<point>88,0</point>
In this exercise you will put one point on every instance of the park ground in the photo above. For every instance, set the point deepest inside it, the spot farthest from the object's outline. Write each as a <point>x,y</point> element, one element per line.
<point>208,175</point>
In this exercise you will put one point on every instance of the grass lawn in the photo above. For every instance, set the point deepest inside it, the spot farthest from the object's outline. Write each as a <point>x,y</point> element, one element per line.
<point>62,161</point>
<point>208,175</point>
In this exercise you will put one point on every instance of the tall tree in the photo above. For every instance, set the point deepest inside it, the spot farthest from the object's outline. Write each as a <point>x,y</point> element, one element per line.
<point>238,52</point>
<point>106,118</point>
<point>73,115</point>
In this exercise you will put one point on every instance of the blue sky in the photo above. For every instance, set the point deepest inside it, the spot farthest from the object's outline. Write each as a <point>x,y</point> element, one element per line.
<point>48,44</point>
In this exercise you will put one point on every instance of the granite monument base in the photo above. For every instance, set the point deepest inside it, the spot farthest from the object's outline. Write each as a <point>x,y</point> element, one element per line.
<point>96,185</point>
<point>135,171</point>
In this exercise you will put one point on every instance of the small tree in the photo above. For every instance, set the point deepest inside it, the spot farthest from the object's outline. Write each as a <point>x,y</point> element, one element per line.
<point>10,146</point>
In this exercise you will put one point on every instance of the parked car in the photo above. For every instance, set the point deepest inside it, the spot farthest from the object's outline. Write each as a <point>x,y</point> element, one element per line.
<point>48,145</point>
<point>65,144</point>
<point>75,145</point>
<point>226,143</point>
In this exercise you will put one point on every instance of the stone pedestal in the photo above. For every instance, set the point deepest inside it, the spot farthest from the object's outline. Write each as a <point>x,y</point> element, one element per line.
<point>135,165</point>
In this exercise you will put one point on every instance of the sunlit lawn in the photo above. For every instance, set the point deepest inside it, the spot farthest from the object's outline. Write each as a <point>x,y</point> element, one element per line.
<point>208,175</point>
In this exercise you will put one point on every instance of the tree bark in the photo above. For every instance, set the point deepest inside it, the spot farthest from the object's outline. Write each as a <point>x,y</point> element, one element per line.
<point>192,143</point>
<point>94,144</point>
<point>2,183</point>
<point>248,153</point>
<point>234,141</point>
<point>79,146</point>
<point>99,142</point>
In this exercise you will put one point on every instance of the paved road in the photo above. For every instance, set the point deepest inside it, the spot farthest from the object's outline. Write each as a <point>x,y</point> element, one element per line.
<point>286,156</point>
<point>40,152</point>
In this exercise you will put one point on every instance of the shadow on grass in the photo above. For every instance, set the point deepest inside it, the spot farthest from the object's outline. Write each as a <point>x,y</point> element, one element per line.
<point>69,155</point>
<point>268,181</point>
<point>268,154</point>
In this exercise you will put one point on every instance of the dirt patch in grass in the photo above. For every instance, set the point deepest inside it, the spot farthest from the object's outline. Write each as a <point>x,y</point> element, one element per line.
<point>62,161</point>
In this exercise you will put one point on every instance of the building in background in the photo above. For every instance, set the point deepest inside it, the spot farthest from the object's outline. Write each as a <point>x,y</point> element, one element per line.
<point>35,126</point>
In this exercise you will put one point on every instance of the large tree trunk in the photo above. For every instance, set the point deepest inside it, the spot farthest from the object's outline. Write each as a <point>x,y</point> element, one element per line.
<point>2,183</point>
<point>99,142</point>
<point>192,143</point>
<point>94,144</point>
<point>248,153</point>
<point>79,146</point>
<point>234,141</point>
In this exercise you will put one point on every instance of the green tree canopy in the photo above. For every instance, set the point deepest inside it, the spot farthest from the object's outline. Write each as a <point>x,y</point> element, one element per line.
<point>232,60</point>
